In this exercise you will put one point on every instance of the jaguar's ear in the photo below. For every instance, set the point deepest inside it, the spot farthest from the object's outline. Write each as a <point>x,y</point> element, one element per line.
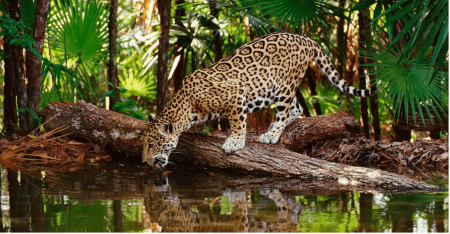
<point>165,129</point>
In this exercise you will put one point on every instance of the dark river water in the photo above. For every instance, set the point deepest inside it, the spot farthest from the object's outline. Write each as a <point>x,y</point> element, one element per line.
<point>124,197</point>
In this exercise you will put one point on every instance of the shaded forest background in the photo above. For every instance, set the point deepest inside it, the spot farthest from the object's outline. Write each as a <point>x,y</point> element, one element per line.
<point>131,57</point>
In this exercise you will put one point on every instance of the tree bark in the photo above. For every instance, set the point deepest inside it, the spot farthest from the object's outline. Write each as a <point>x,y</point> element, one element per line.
<point>178,74</point>
<point>302,102</point>
<point>122,134</point>
<point>342,45</point>
<point>312,86</point>
<point>163,59</point>
<point>217,44</point>
<point>374,110</point>
<point>363,15</point>
<point>218,55</point>
<point>364,29</point>
<point>9,101</point>
<point>19,71</point>
<point>400,133</point>
<point>112,30</point>
<point>34,65</point>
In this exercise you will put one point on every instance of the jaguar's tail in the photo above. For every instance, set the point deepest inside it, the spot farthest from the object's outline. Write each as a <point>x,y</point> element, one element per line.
<point>327,67</point>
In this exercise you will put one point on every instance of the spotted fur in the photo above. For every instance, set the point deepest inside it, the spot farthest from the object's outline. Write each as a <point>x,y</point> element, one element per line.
<point>265,71</point>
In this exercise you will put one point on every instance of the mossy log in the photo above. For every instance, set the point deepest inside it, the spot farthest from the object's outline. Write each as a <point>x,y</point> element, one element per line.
<point>122,135</point>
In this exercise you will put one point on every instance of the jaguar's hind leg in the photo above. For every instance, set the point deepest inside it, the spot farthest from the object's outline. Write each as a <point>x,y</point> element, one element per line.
<point>283,102</point>
<point>296,111</point>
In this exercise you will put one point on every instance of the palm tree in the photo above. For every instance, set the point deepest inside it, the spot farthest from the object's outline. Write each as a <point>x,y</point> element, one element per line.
<point>411,47</point>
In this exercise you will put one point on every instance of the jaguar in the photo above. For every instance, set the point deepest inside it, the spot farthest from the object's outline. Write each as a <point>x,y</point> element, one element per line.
<point>262,72</point>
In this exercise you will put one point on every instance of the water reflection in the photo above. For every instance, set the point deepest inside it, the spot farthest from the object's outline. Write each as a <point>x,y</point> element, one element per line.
<point>116,198</point>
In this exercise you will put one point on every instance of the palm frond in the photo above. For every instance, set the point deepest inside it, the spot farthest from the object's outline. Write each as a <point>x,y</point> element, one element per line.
<point>402,82</point>
<point>426,25</point>
<point>78,32</point>
<point>135,80</point>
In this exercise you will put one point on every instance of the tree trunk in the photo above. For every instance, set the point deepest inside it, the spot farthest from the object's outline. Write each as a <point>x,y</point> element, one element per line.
<point>374,109</point>
<point>178,73</point>
<point>19,71</point>
<point>34,65</point>
<point>363,15</point>
<point>163,59</point>
<point>112,74</point>
<point>342,45</point>
<point>9,101</point>
<point>400,133</point>
<point>364,29</point>
<point>217,44</point>
<point>302,102</point>
<point>122,134</point>
<point>312,86</point>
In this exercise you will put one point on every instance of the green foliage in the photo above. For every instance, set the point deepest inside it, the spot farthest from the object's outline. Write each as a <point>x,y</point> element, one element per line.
<point>15,34</point>
<point>78,35</point>
<point>194,40</point>
<point>37,121</point>
<point>312,17</point>
<point>206,130</point>
<point>27,9</point>
<point>125,106</point>
<point>59,83</point>
<point>426,21</point>
<point>411,75</point>
<point>402,86</point>
<point>237,13</point>
<point>135,80</point>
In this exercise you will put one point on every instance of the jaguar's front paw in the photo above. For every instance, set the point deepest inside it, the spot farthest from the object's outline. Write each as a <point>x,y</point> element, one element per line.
<point>233,144</point>
<point>269,138</point>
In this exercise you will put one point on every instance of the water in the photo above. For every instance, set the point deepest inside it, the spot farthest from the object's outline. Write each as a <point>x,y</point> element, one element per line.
<point>124,197</point>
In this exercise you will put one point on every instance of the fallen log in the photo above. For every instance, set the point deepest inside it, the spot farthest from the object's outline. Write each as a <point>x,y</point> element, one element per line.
<point>121,134</point>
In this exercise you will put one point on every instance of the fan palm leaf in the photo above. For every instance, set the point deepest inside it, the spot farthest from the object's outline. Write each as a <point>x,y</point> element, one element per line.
<point>78,32</point>
<point>310,17</point>
<point>426,23</point>
<point>404,82</point>
<point>135,80</point>
<point>27,9</point>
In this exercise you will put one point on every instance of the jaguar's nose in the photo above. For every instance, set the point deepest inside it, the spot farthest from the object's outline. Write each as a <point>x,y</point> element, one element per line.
<point>160,161</point>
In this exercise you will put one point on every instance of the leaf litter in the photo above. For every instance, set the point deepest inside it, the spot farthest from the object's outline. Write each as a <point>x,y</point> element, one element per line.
<point>360,151</point>
<point>60,153</point>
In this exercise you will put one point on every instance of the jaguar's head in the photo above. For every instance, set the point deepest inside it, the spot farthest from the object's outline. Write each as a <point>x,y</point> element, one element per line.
<point>159,141</point>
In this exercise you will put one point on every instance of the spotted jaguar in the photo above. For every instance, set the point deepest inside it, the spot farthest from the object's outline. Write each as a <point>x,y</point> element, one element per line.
<point>263,72</point>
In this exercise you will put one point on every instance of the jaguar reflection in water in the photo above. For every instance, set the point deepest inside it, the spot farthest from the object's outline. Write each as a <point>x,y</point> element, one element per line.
<point>125,197</point>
